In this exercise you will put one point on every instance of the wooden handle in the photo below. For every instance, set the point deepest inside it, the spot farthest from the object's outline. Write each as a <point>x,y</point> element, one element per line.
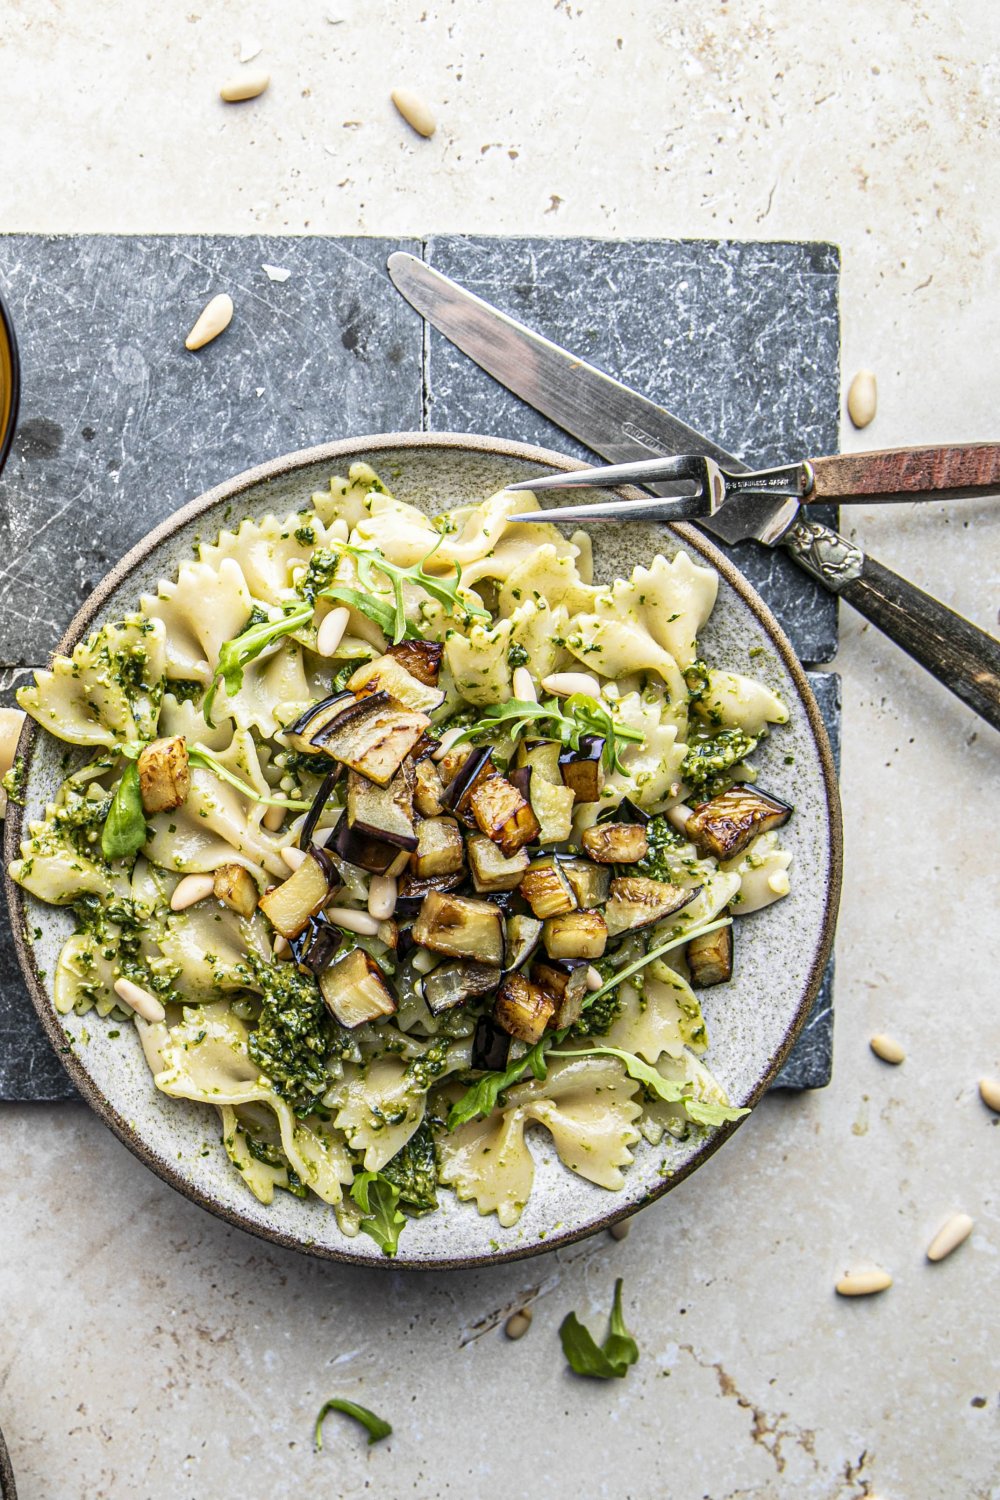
<point>908,474</point>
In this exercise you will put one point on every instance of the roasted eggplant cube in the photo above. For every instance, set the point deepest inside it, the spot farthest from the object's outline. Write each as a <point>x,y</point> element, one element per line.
<point>566,981</point>
<point>460,783</point>
<point>578,934</point>
<point>383,812</point>
<point>552,806</point>
<point>315,947</point>
<point>440,850</point>
<point>589,883</point>
<point>724,826</point>
<point>491,869</point>
<point>522,1009</point>
<point>316,718</point>
<point>546,889</point>
<point>386,674</point>
<point>710,958</point>
<point>373,741</point>
<point>354,990</point>
<point>428,789</point>
<point>616,843</point>
<point>490,1045</point>
<point>164,774</point>
<point>460,927</point>
<point>360,849</point>
<point>581,769</point>
<point>236,887</point>
<point>503,814</point>
<point>542,756</point>
<point>289,906</point>
<point>636,901</point>
<point>422,659</point>
<point>452,984</point>
<point>522,936</point>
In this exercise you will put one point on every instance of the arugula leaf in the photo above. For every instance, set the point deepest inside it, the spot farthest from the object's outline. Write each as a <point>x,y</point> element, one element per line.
<point>124,831</point>
<point>664,1088</point>
<point>444,590</point>
<point>207,761</point>
<point>482,1097</point>
<point>586,716</point>
<point>607,1361</point>
<point>376,1427</point>
<point>651,956</point>
<point>378,1199</point>
<point>385,616</point>
<point>244,648</point>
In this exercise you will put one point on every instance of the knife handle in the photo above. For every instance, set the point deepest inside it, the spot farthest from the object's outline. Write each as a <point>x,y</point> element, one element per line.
<point>907,474</point>
<point>960,655</point>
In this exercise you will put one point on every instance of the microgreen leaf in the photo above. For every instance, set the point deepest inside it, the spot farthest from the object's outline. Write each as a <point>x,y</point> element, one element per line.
<point>124,831</point>
<point>376,1427</point>
<point>236,654</point>
<point>445,590</point>
<point>378,1199</point>
<point>198,756</point>
<point>585,716</point>
<point>384,615</point>
<point>607,1361</point>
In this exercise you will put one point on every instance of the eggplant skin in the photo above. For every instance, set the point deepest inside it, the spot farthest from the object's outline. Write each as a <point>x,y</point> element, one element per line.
<point>724,826</point>
<point>490,1045</point>
<point>637,901</point>
<point>502,813</point>
<point>522,1009</point>
<point>710,958</point>
<point>414,887</point>
<point>460,927</point>
<point>616,843</point>
<point>566,982</point>
<point>422,659</point>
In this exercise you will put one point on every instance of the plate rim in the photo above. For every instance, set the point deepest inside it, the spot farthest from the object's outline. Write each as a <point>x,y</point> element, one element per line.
<point>359,448</point>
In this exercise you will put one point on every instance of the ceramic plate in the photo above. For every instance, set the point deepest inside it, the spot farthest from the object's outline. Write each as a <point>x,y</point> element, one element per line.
<point>752,1021</point>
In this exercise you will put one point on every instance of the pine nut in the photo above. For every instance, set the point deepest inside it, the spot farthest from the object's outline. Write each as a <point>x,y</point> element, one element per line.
<point>215,318</point>
<point>779,883</point>
<point>322,836</point>
<point>989,1092</point>
<point>142,1002</point>
<point>414,111</point>
<point>594,980</point>
<point>948,1238</point>
<point>678,817</point>
<point>191,890</point>
<point>331,630</point>
<point>281,946</point>
<point>447,740</point>
<point>565,684</point>
<point>381,897</point>
<point>244,86</point>
<point>293,857</point>
<point>361,922</point>
<point>864,1283</point>
<point>523,686</point>
<point>338,530</point>
<point>518,1324</point>
<point>424,960</point>
<point>887,1048</point>
<point>273,818</point>
<point>862,398</point>
<point>620,1230</point>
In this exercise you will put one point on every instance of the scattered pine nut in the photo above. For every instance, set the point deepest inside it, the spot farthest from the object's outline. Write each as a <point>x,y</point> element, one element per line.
<point>275,273</point>
<point>989,1092</point>
<point>142,1002</point>
<point>244,86</point>
<point>523,686</point>
<point>620,1230</point>
<point>948,1238</point>
<point>281,946</point>
<point>862,398</point>
<point>565,684</point>
<point>381,897</point>
<point>215,319</point>
<point>594,980</point>
<point>864,1283</point>
<point>190,890</point>
<point>887,1048</point>
<point>424,960</point>
<point>447,740</point>
<point>273,818</point>
<point>361,922</point>
<point>293,857</point>
<point>331,630</point>
<point>414,111</point>
<point>518,1323</point>
<point>678,817</point>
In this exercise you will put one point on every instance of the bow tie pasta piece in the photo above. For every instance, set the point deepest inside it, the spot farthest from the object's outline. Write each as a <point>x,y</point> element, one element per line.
<point>732,701</point>
<point>268,552</point>
<point>614,648</point>
<point>652,766</point>
<point>761,869</point>
<point>275,688</point>
<point>108,691</point>
<point>480,664</point>
<point>665,1019</point>
<point>205,607</point>
<point>207,948</point>
<point>540,570</point>
<point>61,858</point>
<point>402,533</point>
<point>481,528</point>
<point>181,716</point>
<point>537,637</point>
<point>380,1109</point>
<point>715,895</point>
<point>698,1084</point>
<point>671,600</point>
<point>346,500</point>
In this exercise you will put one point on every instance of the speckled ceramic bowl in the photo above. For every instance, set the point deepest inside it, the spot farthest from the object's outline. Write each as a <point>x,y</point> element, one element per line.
<point>752,1021</point>
<point>8,1490</point>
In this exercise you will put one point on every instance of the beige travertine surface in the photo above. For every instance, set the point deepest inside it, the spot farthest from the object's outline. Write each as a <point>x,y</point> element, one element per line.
<point>146,1350</point>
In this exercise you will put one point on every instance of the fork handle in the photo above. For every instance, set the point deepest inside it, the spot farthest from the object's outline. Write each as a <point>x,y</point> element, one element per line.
<point>907,474</point>
<point>960,655</point>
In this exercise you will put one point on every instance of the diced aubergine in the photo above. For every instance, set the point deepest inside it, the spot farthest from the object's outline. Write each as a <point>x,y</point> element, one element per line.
<point>491,869</point>
<point>724,826</point>
<point>581,769</point>
<point>636,901</point>
<point>475,766</point>
<point>552,806</point>
<point>316,945</point>
<point>522,936</point>
<point>383,812</point>
<point>490,1045</point>
<point>577,934</point>
<point>542,757</point>
<point>616,843</point>
<point>388,933</point>
<point>320,800</point>
<point>460,927</point>
<point>439,850</point>
<point>522,1009</point>
<point>386,674</point>
<point>589,883</point>
<point>428,790</point>
<point>374,739</point>
<point>164,774</point>
<point>374,855</point>
<point>236,887</point>
<point>354,990</point>
<point>710,958</point>
<point>566,981</point>
<point>299,734</point>
<point>289,906</point>
<point>625,812</point>
<point>502,813</point>
<point>546,889</point>
<point>422,659</point>
<point>452,984</point>
<point>413,888</point>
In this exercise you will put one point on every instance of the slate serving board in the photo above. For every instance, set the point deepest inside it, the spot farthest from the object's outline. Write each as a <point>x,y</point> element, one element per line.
<point>119,425</point>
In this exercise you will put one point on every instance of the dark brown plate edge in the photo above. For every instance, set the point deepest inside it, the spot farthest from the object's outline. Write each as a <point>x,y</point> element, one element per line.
<point>359,449</point>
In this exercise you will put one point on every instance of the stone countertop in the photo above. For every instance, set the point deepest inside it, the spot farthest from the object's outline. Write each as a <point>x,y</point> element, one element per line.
<point>148,1350</point>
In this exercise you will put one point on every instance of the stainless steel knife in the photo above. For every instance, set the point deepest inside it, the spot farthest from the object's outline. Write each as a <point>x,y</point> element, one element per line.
<point>623,426</point>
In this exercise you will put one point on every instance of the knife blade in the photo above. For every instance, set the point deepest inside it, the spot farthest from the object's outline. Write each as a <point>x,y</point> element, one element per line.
<point>621,426</point>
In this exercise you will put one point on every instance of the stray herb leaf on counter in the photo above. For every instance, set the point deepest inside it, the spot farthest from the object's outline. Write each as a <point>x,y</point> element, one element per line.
<point>376,1427</point>
<point>378,1199</point>
<point>124,831</point>
<point>607,1361</point>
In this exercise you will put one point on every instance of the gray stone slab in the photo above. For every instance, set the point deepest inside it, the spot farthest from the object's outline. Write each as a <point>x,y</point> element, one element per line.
<point>741,341</point>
